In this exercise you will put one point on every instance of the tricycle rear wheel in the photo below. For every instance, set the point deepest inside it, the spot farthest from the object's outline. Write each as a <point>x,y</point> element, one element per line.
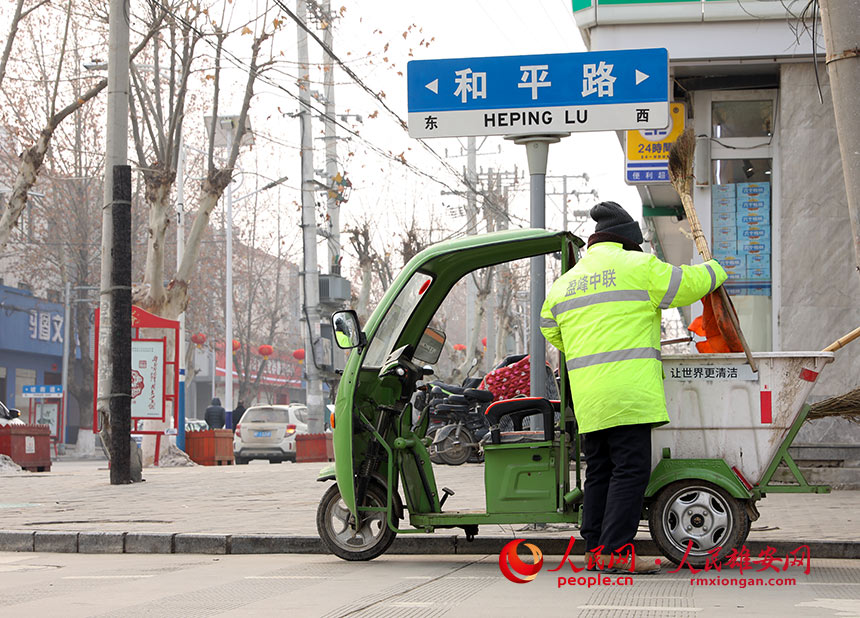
<point>334,524</point>
<point>701,512</point>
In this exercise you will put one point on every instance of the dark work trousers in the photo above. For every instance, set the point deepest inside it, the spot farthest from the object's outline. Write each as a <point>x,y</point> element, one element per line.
<point>618,466</point>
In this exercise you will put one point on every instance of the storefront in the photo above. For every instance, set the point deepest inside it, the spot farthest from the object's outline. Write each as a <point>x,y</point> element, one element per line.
<point>31,345</point>
<point>769,188</point>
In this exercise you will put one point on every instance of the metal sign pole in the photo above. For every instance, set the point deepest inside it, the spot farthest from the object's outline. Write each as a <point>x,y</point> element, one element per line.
<point>537,150</point>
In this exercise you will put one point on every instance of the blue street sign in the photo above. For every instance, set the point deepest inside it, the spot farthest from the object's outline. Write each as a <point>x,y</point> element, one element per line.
<point>42,390</point>
<point>539,94</point>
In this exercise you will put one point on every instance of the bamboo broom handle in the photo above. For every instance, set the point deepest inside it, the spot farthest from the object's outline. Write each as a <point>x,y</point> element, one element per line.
<point>705,252</point>
<point>693,218</point>
<point>843,340</point>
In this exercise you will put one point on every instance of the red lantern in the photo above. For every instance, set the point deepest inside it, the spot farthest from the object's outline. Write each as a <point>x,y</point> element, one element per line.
<point>265,351</point>
<point>484,342</point>
<point>198,339</point>
<point>236,346</point>
<point>460,347</point>
<point>299,355</point>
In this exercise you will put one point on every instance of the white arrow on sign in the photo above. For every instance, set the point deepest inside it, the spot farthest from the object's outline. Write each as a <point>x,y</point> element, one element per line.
<point>641,77</point>
<point>434,86</point>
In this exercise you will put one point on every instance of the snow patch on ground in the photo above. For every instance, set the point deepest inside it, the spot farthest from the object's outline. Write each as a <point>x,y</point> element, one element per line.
<point>172,457</point>
<point>8,466</point>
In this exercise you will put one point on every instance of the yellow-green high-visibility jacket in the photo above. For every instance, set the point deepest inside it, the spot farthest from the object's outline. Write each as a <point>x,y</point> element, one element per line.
<point>604,315</point>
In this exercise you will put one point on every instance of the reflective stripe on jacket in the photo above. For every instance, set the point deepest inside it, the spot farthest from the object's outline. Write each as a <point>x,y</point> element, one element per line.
<point>604,315</point>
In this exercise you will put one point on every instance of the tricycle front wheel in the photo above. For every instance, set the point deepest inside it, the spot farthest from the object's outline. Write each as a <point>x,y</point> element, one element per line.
<point>369,540</point>
<point>701,515</point>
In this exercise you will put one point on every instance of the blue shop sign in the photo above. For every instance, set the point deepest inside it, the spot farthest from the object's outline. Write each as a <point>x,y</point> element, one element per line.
<point>29,324</point>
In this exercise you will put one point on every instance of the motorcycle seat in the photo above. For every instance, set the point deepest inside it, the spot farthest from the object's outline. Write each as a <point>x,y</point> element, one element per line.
<point>451,408</point>
<point>476,394</point>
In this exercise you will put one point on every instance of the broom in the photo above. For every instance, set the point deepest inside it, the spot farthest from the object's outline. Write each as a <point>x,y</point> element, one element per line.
<point>847,405</point>
<point>681,157</point>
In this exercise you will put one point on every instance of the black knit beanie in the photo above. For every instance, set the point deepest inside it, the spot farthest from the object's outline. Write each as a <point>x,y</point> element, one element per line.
<point>614,224</point>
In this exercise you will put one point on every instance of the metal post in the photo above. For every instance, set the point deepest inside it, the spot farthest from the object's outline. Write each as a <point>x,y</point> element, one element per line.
<point>228,301</point>
<point>314,395</point>
<point>537,151</point>
<point>180,250</point>
<point>64,380</point>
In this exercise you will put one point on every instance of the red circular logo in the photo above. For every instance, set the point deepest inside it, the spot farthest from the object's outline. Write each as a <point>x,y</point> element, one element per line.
<point>510,562</point>
<point>136,383</point>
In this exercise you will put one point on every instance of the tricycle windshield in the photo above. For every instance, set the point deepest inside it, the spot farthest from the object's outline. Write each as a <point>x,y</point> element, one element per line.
<point>395,319</point>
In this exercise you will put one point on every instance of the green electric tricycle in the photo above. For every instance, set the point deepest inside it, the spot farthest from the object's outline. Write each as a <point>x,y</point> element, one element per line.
<point>710,464</point>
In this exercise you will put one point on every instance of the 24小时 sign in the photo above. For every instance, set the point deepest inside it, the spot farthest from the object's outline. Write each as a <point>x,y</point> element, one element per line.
<point>647,160</point>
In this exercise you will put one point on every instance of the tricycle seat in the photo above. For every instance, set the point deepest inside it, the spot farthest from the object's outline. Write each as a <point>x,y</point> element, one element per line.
<point>517,409</point>
<point>514,437</point>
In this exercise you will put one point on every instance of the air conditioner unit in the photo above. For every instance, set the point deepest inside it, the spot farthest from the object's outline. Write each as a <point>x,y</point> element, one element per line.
<point>334,289</point>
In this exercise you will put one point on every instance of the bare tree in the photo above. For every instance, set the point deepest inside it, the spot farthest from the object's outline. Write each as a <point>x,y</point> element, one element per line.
<point>156,126</point>
<point>18,16</point>
<point>33,157</point>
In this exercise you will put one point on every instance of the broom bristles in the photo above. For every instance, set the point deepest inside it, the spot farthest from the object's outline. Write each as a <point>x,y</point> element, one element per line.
<point>681,157</point>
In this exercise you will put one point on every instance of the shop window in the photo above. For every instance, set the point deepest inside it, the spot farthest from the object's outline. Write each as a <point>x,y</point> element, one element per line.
<point>741,126</point>
<point>742,118</point>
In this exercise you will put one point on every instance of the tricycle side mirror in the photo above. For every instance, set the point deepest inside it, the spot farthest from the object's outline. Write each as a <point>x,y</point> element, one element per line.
<point>347,331</point>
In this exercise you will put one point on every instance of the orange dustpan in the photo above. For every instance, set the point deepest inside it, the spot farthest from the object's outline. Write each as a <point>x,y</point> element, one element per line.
<point>716,327</point>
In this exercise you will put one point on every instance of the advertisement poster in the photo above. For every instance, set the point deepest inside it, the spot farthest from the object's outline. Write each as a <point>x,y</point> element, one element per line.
<point>147,379</point>
<point>48,414</point>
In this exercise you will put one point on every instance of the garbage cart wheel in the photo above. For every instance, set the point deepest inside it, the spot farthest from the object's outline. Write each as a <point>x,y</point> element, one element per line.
<point>701,512</point>
<point>334,524</point>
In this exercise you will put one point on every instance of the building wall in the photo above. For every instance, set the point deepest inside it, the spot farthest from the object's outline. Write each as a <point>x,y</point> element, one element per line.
<point>820,288</point>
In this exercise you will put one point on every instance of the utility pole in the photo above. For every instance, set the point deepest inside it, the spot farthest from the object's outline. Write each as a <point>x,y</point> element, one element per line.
<point>565,193</point>
<point>471,228</point>
<point>116,403</point>
<point>841,21</point>
<point>332,207</point>
<point>228,300</point>
<point>180,249</point>
<point>314,396</point>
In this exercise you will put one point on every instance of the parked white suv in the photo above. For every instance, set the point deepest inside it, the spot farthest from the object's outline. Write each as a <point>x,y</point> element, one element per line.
<point>269,432</point>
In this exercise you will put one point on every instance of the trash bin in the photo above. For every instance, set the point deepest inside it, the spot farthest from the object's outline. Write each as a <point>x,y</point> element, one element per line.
<point>213,447</point>
<point>314,447</point>
<point>29,446</point>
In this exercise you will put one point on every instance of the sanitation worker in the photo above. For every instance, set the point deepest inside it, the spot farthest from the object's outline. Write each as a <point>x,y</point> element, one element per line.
<point>604,315</point>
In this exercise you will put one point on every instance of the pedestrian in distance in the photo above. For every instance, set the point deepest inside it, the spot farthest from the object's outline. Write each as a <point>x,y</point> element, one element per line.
<point>604,316</point>
<point>214,415</point>
<point>238,411</point>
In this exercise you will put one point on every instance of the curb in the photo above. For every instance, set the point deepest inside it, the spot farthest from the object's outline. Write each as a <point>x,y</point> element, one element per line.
<point>181,543</point>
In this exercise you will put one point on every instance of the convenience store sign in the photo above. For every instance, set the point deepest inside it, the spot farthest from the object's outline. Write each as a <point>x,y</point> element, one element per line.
<point>647,151</point>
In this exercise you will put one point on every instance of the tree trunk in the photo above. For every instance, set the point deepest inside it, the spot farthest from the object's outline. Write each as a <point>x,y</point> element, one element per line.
<point>841,21</point>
